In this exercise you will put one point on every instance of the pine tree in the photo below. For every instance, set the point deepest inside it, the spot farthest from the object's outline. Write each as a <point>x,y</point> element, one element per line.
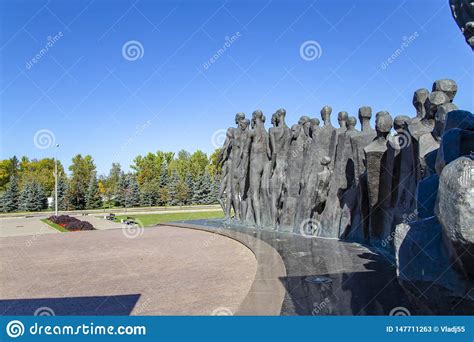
<point>26,197</point>
<point>134,190</point>
<point>214,190</point>
<point>39,199</point>
<point>189,182</point>
<point>11,195</point>
<point>198,193</point>
<point>33,197</point>
<point>164,180</point>
<point>173,188</point>
<point>93,199</point>
<point>182,192</point>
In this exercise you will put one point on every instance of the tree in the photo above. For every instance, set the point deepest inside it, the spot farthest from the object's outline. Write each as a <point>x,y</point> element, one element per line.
<point>164,180</point>
<point>198,163</point>
<point>112,183</point>
<point>189,182</point>
<point>11,195</point>
<point>62,193</point>
<point>173,188</point>
<point>134,190</point>
<point>33,197</point>
<point>82,169</point>
<point>182,192</point>
<point>93,199</point>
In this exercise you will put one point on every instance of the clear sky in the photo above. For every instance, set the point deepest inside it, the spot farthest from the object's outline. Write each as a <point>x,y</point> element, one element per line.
<point>93,96</point>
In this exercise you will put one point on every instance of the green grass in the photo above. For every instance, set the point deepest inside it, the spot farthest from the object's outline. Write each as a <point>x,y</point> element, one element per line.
<point>153,219</point>
<point>55,226</point>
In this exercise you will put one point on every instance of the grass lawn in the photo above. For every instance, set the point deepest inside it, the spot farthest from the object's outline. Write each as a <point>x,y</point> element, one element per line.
<point>152,219</point>
<point>55,226</point>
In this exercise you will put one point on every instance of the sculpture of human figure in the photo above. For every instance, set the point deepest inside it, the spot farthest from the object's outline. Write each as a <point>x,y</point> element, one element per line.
<point>360,220</point>
<point>342,120</point>
<point>304,122</point>
<point>280,138</point>
<point>243,184</point>
<point>319,148</point>
<point>225,161</point>
<point>423,136</point>
<point>404,170</point>
<point>336,218</point>
<point>259,156</point>
<point>291,186</point>
<point>379,156</point>
<point>231,146</point>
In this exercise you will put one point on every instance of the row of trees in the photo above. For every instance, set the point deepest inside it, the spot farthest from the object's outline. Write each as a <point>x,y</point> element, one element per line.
<point>160,178</point>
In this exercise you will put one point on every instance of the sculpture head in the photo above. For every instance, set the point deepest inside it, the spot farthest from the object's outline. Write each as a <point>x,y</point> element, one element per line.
<point>342,119</point>
<point>244,124</point>
<point>365,113</point>
<point>275,120</point>
<point>306,124</point>
<point>351,122</point>
<point>239,117</point>
<point>281,112</point>
<point>440,118</point>
<point>383,123</point>
<point>436,99</point>
<point>314,125</point>
<point>296,131</point>
<point>326,114</point>
<point>419,98</point>
<point>447,86</point>
<point>400,123</point>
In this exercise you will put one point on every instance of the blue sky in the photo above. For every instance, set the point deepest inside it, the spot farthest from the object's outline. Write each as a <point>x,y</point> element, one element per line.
<point>91,98</point>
